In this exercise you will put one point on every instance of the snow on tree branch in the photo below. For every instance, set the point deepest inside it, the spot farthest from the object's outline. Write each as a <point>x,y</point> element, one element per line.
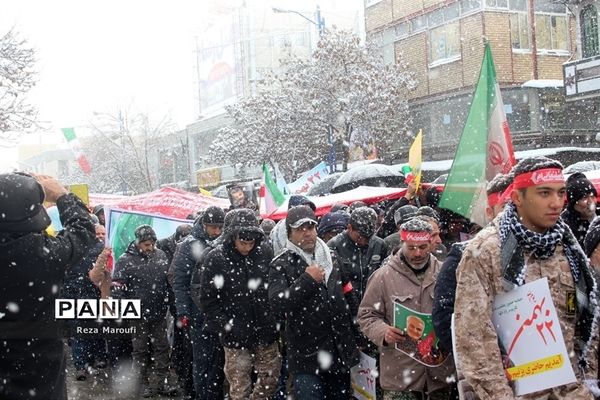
<point>343,85</point>
<point>17,77</point>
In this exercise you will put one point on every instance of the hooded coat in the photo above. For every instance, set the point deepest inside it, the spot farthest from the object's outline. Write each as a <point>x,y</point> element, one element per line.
<point>233,288</point>
<point>144,277</point>
<point>187,263</point>
<point>32,267</point>
<point>579,226</point>
<point>396,281</point>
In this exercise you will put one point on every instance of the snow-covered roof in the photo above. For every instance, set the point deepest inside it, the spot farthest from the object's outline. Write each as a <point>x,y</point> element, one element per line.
<point>543,83</point>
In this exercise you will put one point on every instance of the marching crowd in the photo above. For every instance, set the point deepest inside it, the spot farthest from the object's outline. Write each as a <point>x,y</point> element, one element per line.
<point>265,309</point>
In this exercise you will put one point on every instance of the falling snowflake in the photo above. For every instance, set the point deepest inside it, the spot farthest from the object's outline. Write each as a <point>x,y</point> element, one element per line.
<point>219,281</point>
<point>325,359</point>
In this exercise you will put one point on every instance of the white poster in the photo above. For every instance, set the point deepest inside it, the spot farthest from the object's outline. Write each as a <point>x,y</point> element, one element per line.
<point>363,378</point>
<point>529,330</point>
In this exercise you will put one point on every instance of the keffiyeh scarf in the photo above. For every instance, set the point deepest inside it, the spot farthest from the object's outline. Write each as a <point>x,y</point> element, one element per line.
<point>321,256</point>
<point>515,237</point>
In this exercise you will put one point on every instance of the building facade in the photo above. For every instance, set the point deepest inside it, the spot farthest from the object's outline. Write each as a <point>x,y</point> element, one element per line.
<point>443,41</point>
<point>582,75</point>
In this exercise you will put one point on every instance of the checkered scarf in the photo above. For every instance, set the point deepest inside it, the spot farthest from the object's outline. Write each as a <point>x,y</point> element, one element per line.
<point>514,237</point>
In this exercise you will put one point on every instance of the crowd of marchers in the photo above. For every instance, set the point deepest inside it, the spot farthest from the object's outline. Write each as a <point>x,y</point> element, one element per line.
<point>241,308</point>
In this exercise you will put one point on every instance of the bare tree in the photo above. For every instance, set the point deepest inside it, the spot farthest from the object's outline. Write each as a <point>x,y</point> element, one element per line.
<point>344,88</point>
<point>17,77</point>
<point>122,151</point>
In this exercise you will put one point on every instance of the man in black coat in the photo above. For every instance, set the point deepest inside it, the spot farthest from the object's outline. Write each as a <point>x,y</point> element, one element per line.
<point>234,299</point>
<point>307,290</point>
<point>208,356</point>
<point>141,273</point>
<point>32,267</point>
<point>87,352</point>
<point>359,250</point>
<point>181,354</point>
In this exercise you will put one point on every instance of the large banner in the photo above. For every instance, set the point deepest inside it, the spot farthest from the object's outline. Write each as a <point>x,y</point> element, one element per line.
<point>529,331</point>
<point>303,184</point>
<point>121,225</point>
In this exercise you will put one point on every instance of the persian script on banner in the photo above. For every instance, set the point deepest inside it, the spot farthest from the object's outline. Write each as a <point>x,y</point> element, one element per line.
<point>363,378</point>
<point>529,331</point>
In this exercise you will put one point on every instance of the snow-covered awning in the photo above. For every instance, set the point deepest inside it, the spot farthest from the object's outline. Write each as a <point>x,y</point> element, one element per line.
<point>543,83</point>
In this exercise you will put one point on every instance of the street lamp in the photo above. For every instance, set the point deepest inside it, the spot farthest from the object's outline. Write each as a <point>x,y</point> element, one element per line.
<point>320,23</point>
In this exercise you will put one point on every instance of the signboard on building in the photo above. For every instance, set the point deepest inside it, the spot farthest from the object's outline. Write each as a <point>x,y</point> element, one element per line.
<point>217,64</point>
<point>582,78</point>
<point>208,177</point>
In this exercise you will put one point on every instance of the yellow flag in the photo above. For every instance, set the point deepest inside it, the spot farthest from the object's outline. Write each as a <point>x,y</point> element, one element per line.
<point>204,192</point>
<point>81,191</point>
<point>415,157</point>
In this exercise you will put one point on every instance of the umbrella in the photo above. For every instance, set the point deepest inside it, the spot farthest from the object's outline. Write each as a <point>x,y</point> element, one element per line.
<point>368,175</point>
<point>324,185</point>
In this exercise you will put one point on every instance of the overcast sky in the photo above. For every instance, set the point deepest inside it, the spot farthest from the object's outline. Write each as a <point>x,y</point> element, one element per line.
<point>98,56</point>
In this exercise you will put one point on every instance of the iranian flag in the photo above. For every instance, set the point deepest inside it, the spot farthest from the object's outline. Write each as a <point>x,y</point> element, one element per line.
<point>484,150</point>
<point>270,197</point>
<point>76,148</point>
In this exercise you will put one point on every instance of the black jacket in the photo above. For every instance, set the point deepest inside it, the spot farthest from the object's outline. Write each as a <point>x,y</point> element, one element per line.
<point>32,268</point>
<point>234,297</point>
<point>358,262</point>
<point>579,226</point>
<point>168,246</point>
<point>444,294</point>
<point>317,317</point>
<point>389,225</point>
<point>77,284</point>
<point>144,277</point>
<point>187,263</point>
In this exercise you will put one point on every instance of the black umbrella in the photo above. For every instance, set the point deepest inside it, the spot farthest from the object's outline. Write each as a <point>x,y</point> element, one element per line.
<point>324,185</point>
<point>368,175</point>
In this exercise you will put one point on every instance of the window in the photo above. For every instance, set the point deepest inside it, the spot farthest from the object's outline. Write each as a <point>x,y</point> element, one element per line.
<point>549,6</point>
<point>519,31</point>
<point>589,31</point>
<point>418,23</point>
<point>401,30</point>
<point>444,42</point>
<point>469,5</point>
<point>518,5</point>
<point>497,3</point>
<point>551,32</point>
<point>514,5</point>
<point>369,3</point>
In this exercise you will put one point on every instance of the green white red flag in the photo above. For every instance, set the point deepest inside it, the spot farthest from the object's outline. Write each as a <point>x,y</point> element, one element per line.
<point>270,197</point>
<point>73,142</point>
<point>484,150</point>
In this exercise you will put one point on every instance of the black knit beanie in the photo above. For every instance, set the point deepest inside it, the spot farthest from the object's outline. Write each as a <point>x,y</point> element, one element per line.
<point>578,186</point>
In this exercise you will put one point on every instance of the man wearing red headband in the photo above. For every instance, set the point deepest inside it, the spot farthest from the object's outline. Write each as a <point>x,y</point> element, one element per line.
<point>408,279</point>
<point>527,242</point>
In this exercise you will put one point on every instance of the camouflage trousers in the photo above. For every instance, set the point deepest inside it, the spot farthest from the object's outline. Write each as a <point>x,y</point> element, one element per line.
<point>442,394</point>
<point>239,363</point>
